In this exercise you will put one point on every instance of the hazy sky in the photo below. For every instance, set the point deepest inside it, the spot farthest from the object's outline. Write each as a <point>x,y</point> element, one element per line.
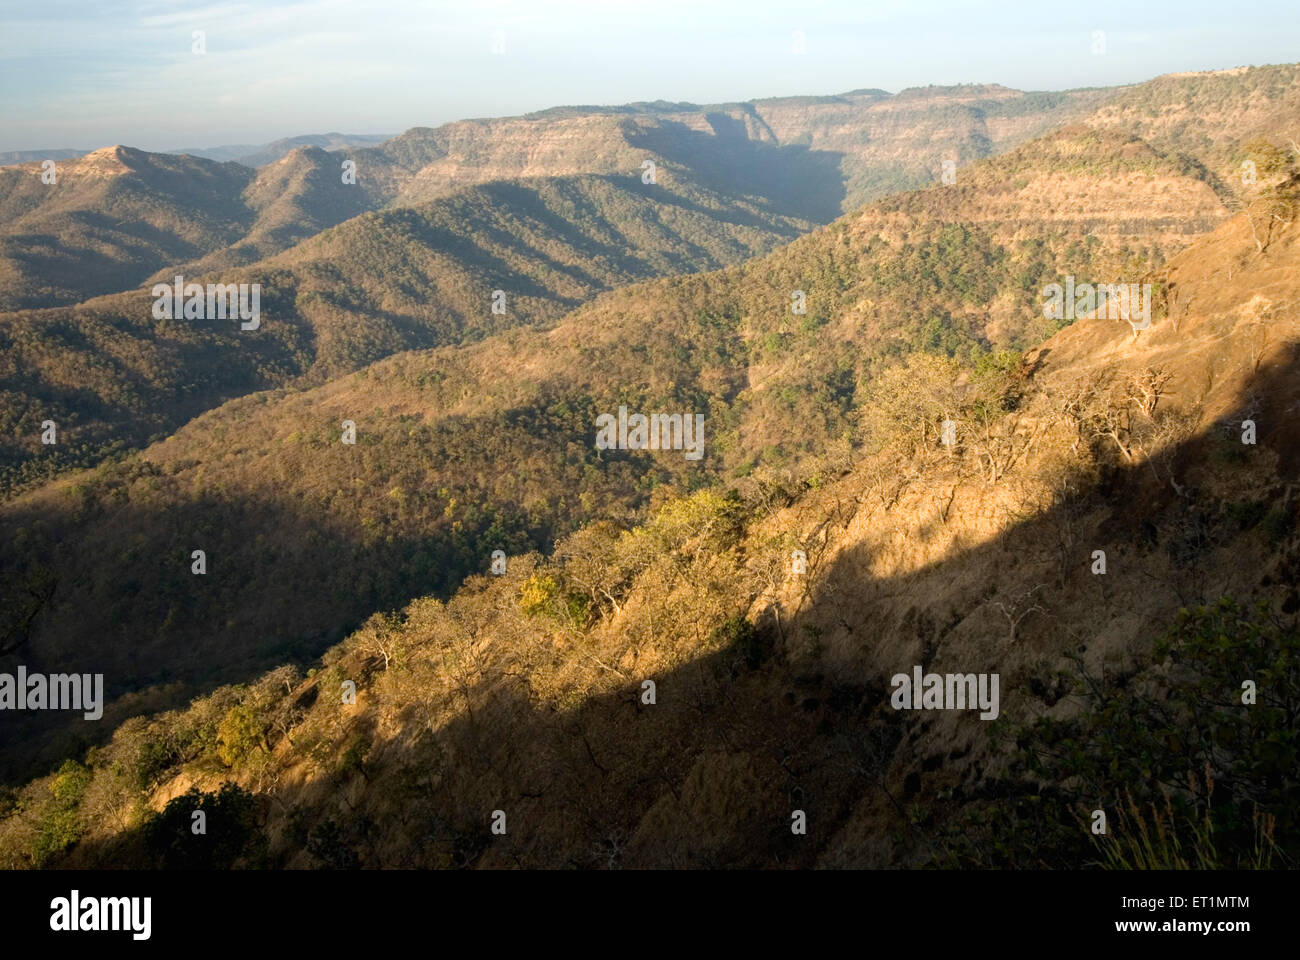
<point>89,73</point>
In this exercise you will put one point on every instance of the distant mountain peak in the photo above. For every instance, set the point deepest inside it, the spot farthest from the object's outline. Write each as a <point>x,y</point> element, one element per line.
<point>115,160</point>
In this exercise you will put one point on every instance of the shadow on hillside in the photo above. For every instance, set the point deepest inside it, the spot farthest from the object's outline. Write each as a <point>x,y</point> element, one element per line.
<point>794,180</point>
<point>615,224</point>
<point>96,254</point>
<point>98,572</point>
<point>710,774</point>
<point>281,586</point>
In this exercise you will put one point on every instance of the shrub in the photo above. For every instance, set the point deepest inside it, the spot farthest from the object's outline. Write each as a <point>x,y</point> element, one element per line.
<point>233,832</point>
<point>328,846</point>
<point>241,733</point>
<point>60,824</point>
<point>1188,774</point>
<point>543,593</point>
<point>538,593</point>
<point>738,636</point>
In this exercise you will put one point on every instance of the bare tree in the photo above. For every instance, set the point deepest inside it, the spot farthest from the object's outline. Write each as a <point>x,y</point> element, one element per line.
<point>1160,442</point>
<point>1146,388</point>
<point>1018,608</point>
<point>1113,421</point>
<point>1259,342</point>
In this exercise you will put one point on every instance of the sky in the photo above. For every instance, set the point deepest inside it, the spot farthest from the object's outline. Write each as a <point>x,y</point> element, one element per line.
<point>89,73</point>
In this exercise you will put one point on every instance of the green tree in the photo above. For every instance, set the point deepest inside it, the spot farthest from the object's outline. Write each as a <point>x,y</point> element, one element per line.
<point>233,835</point>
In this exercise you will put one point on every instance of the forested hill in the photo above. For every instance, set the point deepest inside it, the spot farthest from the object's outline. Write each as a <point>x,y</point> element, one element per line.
<point>111,376</point>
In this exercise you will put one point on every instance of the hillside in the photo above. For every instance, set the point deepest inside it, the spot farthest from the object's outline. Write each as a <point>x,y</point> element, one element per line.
<point>111,218</point>
<point>1075,201</point>
<point>1213,116</point>
<point>526,693</point>
<point>866,143</point>
<point>1077,182</point>
<point>112,377</point>
<point>422,499</point>
<point>116,216</point>
<point>122,214</point>
<point>730,197</point>
<point>292,198</point>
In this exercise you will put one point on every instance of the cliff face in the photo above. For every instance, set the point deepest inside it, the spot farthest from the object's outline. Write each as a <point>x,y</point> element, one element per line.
<point>1092,185</point>
<point>889,143</point>
<point>878,142</point>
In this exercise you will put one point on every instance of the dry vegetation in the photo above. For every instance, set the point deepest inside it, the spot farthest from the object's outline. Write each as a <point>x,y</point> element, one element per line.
<point>526,692</point>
